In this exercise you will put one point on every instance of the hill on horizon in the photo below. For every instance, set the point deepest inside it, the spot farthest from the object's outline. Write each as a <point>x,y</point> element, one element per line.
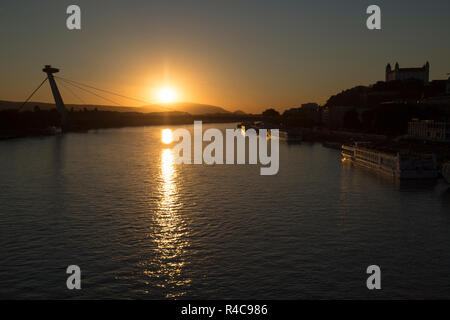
<point>188,107</point>
<point>184,107</point>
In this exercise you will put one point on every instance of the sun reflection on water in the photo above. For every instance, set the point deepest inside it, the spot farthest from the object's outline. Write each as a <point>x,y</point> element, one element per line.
<point>171,234</point>
<point>167,136</point>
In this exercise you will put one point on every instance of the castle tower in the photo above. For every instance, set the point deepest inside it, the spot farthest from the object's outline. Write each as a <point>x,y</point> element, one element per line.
<point>388,71</point>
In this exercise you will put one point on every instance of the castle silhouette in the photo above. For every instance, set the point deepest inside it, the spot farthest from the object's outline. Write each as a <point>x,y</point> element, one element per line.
<point>398,73</point>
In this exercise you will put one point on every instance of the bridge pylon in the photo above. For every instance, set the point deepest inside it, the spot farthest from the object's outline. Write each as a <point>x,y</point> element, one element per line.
<point>57,96</point>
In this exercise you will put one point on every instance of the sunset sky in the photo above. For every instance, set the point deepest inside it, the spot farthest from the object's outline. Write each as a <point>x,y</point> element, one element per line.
<point>247,55</point>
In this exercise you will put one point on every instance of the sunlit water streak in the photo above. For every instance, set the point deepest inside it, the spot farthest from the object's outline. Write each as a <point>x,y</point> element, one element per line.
<point>170,233</point>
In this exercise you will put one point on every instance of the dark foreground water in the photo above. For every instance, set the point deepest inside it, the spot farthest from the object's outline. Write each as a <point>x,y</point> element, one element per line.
<point>140,226</point>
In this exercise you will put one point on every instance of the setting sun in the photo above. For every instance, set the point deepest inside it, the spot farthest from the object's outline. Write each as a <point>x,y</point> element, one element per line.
<point>166,136</point>
<point>166,95</point>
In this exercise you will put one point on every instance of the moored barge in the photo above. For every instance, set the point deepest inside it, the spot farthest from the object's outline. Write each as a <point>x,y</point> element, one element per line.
<point>400,165</point>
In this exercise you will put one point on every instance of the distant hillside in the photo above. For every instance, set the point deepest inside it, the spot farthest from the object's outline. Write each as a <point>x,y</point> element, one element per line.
<point>188,107</point>
<point>185,107</point>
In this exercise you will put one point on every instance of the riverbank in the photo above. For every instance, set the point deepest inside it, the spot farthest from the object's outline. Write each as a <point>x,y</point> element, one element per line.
<point>33,124</point>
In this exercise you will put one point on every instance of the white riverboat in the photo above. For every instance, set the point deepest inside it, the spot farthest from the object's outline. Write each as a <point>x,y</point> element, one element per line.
<point>396,164</point>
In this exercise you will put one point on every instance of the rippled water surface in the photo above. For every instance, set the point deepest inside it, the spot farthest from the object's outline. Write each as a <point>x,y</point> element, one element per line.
<point>140,226</point>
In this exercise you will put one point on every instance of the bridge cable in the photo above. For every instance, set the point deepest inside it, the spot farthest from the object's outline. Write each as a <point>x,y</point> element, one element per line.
<point>31,95</point>
<point>66,86</point>
<point>95,94</point>
<point>106,91</point>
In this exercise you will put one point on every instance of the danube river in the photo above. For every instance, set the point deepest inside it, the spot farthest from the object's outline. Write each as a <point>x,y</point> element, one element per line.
<point>139,226</point>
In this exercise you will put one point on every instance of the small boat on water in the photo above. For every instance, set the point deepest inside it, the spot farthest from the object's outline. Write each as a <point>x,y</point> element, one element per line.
<point>251,125</point>
<point>291,134</point>
<point>446,171</point>
<point>399,165</point>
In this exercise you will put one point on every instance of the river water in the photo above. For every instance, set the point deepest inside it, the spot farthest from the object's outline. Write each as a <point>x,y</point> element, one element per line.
<point>139,226</point>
